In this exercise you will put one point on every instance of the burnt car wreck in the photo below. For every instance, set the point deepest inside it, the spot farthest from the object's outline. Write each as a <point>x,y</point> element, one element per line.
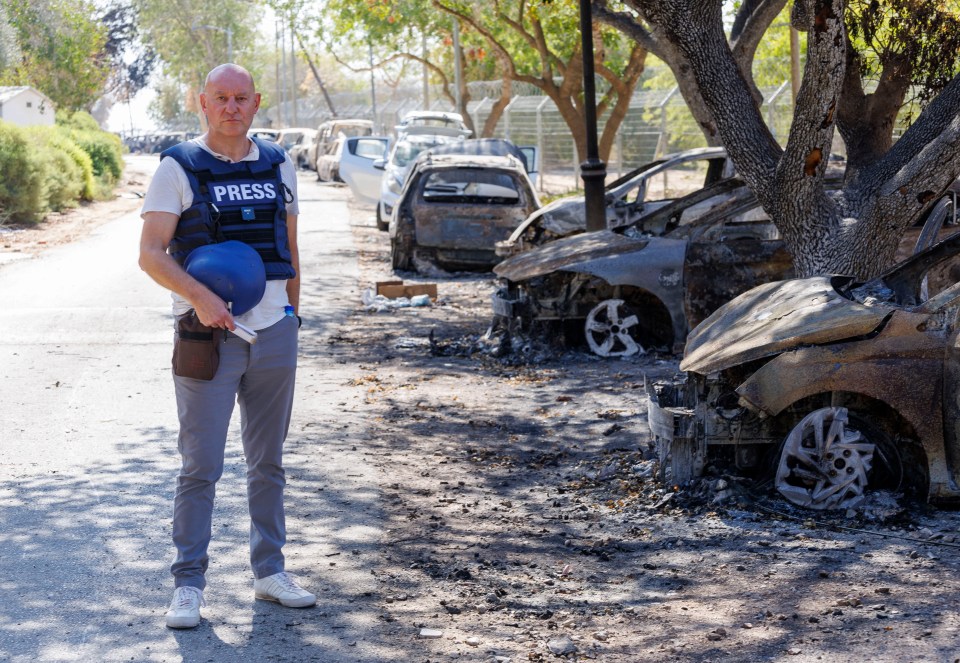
<point>455,207</point>
<point>826,386</point>
<point>644,286</point>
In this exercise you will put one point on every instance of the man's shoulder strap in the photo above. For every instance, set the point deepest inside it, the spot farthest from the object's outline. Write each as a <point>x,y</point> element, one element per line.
<point>270,151</point>
<point>188,154</point>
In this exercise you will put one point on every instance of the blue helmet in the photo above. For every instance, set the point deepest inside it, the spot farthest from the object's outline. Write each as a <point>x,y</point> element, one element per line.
<point>233,270</point>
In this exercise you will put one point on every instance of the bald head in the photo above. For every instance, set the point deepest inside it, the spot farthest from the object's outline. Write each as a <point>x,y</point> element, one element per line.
<point>227,70</point>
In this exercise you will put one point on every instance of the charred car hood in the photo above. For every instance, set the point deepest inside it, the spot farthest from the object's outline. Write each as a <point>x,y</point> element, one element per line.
<point>776,317</point>
<point>566,253</point>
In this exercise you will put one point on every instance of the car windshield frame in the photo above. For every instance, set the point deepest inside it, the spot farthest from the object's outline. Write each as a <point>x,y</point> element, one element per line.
<point>470,186</point>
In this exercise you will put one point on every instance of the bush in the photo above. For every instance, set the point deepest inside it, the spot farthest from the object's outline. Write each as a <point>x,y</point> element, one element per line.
<point>105,151</point>
<point>78,121</point>
<point>87,182</point>
<point>22,184</point>
<point>52,168</point>
<point>68,171</point>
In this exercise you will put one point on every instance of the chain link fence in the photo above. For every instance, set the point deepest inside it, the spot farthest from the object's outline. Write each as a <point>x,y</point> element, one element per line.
<point>657,123</point>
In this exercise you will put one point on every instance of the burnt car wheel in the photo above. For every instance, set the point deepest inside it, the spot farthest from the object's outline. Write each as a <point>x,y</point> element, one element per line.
<point>831,457</point>
<point>610,329</point>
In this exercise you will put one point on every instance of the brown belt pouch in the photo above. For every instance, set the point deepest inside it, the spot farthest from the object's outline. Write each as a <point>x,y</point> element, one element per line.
<point>196,348</point>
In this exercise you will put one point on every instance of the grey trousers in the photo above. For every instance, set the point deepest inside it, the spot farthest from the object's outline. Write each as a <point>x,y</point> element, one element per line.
<point>260,378</point>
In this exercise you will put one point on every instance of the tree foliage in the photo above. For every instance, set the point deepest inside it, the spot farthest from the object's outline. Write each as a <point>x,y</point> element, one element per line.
<point>9,48</point>
<point>536,42</point>
<point>191,38</point>
<point>894,48</point>
<point>855,230</point>
<point>60,50</point>
<point>131,61</point>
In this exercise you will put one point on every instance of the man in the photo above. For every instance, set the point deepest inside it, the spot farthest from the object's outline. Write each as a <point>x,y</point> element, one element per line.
<point>225,186</point>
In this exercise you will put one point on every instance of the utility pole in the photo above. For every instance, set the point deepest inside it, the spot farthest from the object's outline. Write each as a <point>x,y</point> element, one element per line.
<point>593,170</point>
<point>373,87</point>
<point>458,64</point>
<point>285,117</point>
<point>293,75</point>
<point>426,71</point>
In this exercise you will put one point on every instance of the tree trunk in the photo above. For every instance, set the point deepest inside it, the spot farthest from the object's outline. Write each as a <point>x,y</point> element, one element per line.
<point>506,95</point>
<point>621,88</point>
<point>865,121</point>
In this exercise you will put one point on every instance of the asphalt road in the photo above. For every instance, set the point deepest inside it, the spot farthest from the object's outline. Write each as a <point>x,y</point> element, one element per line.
<point>88,460</point>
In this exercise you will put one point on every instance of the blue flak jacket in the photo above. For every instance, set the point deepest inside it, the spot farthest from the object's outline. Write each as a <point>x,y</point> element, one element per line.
<point>244,201</point>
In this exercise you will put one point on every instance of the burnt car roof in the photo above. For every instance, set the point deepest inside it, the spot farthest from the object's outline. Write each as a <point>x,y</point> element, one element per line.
<point>775,317</point>
<point>663,223</point>
<point>436,161</point>
<point>566,215</point>
<point>481,146</point>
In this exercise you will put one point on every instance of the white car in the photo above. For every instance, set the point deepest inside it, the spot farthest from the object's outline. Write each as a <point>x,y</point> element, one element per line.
<point>355,166</point>
<point>299,150</point>
<point>328,132</point>
<point>437,119</point>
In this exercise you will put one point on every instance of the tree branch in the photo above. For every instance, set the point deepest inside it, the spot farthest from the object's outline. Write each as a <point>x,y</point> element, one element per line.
<point>627,24</point>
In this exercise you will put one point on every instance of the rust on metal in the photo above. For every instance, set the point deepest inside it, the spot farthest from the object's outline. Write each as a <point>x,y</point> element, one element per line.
<point>853,383</point>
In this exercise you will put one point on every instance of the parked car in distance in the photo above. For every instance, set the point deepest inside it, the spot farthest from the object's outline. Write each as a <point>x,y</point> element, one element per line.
<point>356,167</point>
<point>453,208</point>
<point>290,136</point>
<point>328,131</point>
<point>825,386</point>
<point>265,134</point>
<point>626,199</point>
<point>329,164</point>
<point>300,150</point>
<point>429,118</point>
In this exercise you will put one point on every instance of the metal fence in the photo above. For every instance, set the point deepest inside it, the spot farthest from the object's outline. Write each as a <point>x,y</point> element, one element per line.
<point>658,122</point>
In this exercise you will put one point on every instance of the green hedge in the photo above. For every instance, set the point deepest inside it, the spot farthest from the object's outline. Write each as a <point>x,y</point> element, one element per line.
<point>52,168</point>
<point>105,149</point>
<point>21,186</point>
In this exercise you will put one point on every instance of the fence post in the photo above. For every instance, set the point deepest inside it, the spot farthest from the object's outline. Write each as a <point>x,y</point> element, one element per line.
<point>476,115</point>
<point>620,152</point>
<point>770,102</point>
<point>506,118</point>
<point>662,139</point>
<point>576,166</point>
<point>540,154</point>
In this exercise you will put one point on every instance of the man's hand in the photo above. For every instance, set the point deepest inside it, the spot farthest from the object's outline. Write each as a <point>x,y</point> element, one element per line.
<point>212,311</point>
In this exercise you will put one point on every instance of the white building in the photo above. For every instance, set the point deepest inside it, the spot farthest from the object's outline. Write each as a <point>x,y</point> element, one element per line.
<point>24,106</point>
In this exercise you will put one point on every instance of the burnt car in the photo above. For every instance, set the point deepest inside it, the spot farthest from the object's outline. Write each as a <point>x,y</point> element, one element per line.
<point>626,199</point>
<point>453,208</point>
<point>826,386</point>
<point>645,285</point>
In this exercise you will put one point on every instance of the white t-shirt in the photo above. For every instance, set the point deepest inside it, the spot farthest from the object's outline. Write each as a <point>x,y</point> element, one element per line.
<point>170,191</point>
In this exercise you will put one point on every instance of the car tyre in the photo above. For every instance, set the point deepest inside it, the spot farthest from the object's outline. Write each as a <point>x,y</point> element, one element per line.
<point>832,456</point>
<point>381,223</point>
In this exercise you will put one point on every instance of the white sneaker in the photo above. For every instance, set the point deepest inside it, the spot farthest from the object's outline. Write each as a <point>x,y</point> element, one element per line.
<point>184,610</point>
<point>283,588</point>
